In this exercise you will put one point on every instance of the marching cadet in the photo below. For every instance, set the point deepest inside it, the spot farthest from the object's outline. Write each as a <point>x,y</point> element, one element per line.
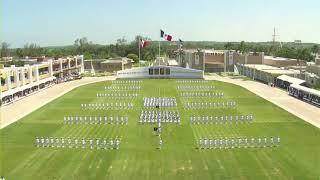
<point>239,142</point>
<point>90,119</point>
<point>64,119</point>
<point>271,141</point>
<point>111,120</point>
<point>200,143</point>
<point>252,141</point>
<point>225,143</point>
<point>232,143</point>
<point>111,144</point>
<point>97,143</point>
<point>75,142</point>
<point>105,120</point>
<point>191,120</point>
<point>42,142</point>
<point>104,144</point>
<point>259,142</point>
<point>122,120</point>
<point>62,142</point>
<point>205,142</point>
<point>210,120</point>
<point>37,142</point>
<point>95,120</point>
<point>237,118</point>
<point>278,140</point>
<point>51,142</point>
<point>210,143</point>
<point>69,142</point>
<point>57,142</point>
<point>80,119</point>
<point>214,143</point>
<point>47,142</point>
<point>265,141</point>
<point>100,120</point>
<point>245,141</point>
<point>230,119</point>
<point>221,143</point>
<point>117,143</point>
<point>83,142</point>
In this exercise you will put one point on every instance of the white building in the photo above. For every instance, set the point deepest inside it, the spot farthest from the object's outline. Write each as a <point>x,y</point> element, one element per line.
<point>169,72</point>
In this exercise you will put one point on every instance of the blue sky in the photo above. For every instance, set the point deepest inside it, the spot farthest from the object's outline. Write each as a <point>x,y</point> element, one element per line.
<point>60,22</point>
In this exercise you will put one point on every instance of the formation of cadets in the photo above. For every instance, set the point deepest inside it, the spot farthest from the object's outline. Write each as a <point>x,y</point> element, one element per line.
<point>122,88</point>
<point>127,82</point>
<point>99,120</point>
<point>159,101</point>
<point>154,116</point>
<point>202,94</point>
<point>195,88</point>
<point>191,81</point>
<point>61,142</point>
<point>226,143</point>
<point>117,95</point>
<point>206,105</point>
<point>104,106</point>
<point>222,119</point>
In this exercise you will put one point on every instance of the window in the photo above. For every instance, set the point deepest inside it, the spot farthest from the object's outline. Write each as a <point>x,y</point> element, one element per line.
<point>167,71</point>
<point>196,59</point>
<point>150,71</point>
<point>156,71</point>
<point>161,71</point>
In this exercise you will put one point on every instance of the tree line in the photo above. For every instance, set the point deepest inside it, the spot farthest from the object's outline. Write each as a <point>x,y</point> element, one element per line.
<point>124,48</point>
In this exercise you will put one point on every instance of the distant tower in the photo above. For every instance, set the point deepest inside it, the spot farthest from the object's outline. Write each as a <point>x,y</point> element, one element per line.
<point>274,38</point>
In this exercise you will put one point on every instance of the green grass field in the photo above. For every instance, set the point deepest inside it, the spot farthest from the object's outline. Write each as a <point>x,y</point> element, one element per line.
<point>298,156</point>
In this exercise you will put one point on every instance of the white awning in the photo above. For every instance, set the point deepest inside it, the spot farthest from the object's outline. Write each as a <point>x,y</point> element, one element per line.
<point>290,79</point>
<point>306,89</point>
<point>27,86</point>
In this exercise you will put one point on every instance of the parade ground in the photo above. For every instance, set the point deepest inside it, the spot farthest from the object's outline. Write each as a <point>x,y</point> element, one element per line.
<point>140,156</point>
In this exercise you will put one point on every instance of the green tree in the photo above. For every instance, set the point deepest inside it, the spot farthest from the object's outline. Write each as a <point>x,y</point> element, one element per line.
<point>4,52</point>
<point>134,57</point>
<point>315,49</point>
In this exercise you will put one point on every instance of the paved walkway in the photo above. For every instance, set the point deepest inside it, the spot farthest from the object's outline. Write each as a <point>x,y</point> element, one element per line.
<point>277,96</point>
<point>17,110</point>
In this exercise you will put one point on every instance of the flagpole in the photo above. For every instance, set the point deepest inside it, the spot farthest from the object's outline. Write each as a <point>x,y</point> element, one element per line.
<point>139,50</point>
<point>159,48</point>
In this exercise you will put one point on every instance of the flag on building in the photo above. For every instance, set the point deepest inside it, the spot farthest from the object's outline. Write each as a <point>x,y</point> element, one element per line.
<point>166,36</point>
<point>143,43</point>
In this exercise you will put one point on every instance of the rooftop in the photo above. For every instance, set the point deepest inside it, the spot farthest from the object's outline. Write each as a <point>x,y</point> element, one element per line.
<point>271,69</point>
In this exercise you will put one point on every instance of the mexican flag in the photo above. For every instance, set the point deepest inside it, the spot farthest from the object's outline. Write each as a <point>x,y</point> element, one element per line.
<point>166,36</point>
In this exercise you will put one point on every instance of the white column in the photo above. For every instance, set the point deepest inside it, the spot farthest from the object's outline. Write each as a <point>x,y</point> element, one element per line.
<point>69,66</point>
<point>50,68</point>
<point>81,63</point>
<point>37,72</point>
<point>225,62</point>
<point>76,60</point>
<point>23,79</point>
<point>61,66</point>
<point>30,74</point>
<point>8,79</point>
<point>16,77</point>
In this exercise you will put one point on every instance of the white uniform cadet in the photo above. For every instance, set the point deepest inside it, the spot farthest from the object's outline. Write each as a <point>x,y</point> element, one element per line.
<point>83,141</point>
<point>37,142</point>
<point>111,144</point>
